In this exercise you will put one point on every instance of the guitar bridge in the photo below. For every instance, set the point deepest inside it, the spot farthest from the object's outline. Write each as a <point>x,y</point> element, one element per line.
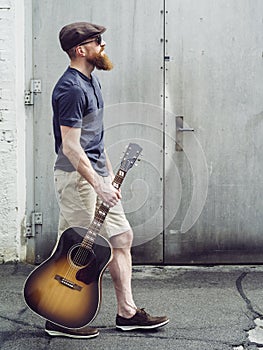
<point>68,283</point>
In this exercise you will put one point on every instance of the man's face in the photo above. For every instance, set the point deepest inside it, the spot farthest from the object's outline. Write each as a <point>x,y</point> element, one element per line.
<point>96,55</point>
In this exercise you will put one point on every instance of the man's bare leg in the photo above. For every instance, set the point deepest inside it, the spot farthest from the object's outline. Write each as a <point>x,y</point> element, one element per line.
<point>121,272</point>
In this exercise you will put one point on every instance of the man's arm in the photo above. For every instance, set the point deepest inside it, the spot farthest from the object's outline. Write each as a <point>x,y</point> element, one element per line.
<point>78,158</point>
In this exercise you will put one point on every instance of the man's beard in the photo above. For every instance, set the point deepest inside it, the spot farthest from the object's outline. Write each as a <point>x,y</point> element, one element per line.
<point>101,62</point>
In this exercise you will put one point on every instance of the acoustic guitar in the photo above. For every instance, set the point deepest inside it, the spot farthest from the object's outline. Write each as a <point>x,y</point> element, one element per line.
<point>66,288</point>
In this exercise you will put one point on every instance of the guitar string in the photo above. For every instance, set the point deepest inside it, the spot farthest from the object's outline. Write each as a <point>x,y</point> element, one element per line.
<point>92,232</point>
<point>77,262</point>
<point>81,255</point>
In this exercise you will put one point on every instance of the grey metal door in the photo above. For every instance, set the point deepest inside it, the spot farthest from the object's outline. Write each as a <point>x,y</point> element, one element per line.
<point>133,94</point>
<point>179,65</point>
<point>214,80</point>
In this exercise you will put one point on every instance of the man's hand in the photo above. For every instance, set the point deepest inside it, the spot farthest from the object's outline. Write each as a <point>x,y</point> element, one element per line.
<point>107,193</point>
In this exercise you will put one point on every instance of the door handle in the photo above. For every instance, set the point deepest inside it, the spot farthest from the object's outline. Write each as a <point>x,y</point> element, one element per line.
<point>179,133</point>
<point>186,129</point>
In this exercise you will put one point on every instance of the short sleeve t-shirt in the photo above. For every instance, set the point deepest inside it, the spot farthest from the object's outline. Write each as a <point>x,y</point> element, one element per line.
<point>77,102</point>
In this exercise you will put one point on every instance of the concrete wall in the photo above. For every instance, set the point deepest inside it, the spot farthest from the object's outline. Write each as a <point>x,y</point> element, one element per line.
<point>12,131</point>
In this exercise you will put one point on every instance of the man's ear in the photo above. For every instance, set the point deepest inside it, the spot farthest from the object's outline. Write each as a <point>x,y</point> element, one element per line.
<point>79,51</point>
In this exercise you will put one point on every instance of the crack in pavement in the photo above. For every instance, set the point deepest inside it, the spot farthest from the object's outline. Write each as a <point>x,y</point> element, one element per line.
<point>18,332</point>
<point>254,314</point>
<point>18,322</point>
<point>243,295</point>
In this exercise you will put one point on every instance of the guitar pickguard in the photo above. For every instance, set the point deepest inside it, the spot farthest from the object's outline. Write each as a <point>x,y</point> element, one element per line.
<point>88,274</point>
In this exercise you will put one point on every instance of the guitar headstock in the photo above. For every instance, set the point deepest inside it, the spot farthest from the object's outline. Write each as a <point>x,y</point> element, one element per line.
<point>131,155</point>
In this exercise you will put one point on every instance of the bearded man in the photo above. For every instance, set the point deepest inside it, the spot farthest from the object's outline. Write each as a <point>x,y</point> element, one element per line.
<point>83,172</point>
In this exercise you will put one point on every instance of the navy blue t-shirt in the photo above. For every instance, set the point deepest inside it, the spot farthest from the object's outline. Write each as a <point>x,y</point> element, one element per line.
<point>77,102</point>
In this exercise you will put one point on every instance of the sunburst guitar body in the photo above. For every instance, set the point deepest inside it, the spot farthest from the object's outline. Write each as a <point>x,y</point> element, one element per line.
<point>66,288</point>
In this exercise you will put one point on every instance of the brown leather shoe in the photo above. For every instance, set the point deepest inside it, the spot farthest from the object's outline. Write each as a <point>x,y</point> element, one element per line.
<point>81,333</point>
<point>141,320</point>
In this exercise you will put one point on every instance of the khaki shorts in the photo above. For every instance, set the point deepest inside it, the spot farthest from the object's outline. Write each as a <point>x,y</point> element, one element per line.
<point>78,201</point>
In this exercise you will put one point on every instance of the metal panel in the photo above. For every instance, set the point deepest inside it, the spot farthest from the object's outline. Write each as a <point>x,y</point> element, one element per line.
<point>133,98</point>
<point>214,79</point>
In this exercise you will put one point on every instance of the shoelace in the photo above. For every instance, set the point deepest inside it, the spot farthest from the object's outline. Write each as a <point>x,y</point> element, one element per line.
<point>142,311</point>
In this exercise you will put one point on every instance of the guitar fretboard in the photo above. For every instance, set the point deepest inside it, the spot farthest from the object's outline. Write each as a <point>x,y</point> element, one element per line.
<point>100,215</point>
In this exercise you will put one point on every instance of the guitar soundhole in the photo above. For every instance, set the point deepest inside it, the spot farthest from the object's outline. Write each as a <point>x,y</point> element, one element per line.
<point>80,256</point>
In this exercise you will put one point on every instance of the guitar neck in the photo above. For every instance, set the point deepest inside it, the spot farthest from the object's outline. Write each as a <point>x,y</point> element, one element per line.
<point>131,155</point>
<point>100,214</point>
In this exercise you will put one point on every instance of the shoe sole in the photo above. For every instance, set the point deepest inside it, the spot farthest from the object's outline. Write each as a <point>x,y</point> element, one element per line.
<point>75,336</point>
<point>131,328</point>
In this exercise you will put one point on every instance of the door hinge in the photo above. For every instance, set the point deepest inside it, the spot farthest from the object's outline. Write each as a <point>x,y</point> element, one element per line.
<point>34,228</point>
<point>35,88</point>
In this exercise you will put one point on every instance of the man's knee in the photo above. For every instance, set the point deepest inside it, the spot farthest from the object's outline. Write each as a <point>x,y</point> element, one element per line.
<point>123,240</point>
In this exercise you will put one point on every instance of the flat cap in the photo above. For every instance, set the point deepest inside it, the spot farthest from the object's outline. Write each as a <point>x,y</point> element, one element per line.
<point>73,34</point>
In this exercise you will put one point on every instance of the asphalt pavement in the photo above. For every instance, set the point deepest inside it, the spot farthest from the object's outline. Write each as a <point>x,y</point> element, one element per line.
<point>210,308</point>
